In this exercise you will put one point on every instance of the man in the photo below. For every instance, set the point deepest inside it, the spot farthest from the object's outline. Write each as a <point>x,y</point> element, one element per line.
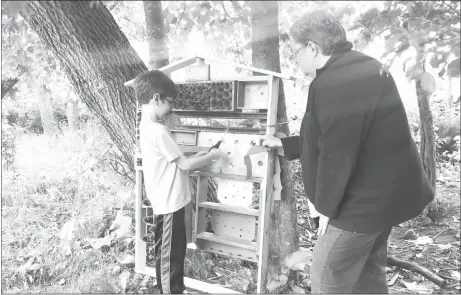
<point>361,167</point>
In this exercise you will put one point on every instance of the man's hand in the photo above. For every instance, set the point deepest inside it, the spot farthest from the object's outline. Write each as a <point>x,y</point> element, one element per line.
<point>323,224</point>
<point>270,141</point>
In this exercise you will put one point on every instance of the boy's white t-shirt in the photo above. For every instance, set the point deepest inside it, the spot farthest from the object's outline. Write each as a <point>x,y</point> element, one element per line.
<point>168,187</point>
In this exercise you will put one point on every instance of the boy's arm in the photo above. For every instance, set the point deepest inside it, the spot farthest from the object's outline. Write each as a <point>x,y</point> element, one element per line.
<point>194,162</point>
<point>170,149</point>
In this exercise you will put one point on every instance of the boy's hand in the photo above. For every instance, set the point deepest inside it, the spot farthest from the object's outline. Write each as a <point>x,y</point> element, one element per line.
<point>217,154</point>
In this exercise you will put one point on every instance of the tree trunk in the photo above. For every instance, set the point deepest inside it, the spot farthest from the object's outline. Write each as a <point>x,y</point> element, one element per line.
<point>97,58</point>
<point>265,55</point>
<point>427,134</point>
<point>158,52</point>
<point>45,106</point>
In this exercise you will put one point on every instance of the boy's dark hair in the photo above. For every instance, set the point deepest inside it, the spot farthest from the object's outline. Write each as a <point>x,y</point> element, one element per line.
<point>151,82</point>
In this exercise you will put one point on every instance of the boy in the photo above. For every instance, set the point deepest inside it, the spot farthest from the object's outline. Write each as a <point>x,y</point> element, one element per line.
<point>166,177</point>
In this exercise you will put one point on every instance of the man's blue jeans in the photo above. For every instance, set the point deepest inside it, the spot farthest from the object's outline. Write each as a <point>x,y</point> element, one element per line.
<point>349,262</point>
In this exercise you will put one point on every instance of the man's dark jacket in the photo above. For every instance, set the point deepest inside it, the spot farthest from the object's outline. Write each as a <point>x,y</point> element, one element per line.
<point>360,164</point>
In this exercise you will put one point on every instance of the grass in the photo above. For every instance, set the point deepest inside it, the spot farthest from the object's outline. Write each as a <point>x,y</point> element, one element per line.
<point>57,179</point>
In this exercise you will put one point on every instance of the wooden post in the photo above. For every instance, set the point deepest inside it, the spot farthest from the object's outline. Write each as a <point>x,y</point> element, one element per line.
<point>140,251</point>
<point>266,197</point>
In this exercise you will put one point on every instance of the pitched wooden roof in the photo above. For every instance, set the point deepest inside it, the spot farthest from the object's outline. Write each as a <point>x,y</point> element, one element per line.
<point>177,65</point>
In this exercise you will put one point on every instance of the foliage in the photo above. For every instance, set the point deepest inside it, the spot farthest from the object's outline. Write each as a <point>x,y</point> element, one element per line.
<point>430,27</point>
<point>9,135</point>
<point>71,178</point>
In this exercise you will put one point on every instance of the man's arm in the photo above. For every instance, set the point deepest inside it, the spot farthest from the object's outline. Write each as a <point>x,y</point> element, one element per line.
<point>291,147</point>
<point>191,163</point>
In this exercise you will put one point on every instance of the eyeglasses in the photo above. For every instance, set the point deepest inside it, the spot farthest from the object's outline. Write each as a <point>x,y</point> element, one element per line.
<point>166,98</point>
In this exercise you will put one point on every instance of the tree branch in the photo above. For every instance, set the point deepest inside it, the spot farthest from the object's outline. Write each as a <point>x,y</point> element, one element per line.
<point>182,14</point>
<point>391,260</point>
<point>224,8</point>
<point>454,10</point>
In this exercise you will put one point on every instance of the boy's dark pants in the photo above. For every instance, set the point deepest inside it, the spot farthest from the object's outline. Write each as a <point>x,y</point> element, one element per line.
<point>170,251</point>
<point>349,262</point>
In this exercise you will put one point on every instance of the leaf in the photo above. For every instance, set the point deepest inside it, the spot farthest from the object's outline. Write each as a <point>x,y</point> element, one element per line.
<point>370,14</point>
<point>394,279</point>
<point>116,270</point>
<point>66,236</point>
<point>98,243</point>
<point>455,275</point>
<point>420,289</point>
<point>121,227</point>
<point>127,259</point>
<point>393,14</point>
<point>409,235</point>
<point>443,246</point>
<point>297,260</point>
<point>424,240</point>
<point>124,277</point>
<point>283,279</point>
<point>428,82</point>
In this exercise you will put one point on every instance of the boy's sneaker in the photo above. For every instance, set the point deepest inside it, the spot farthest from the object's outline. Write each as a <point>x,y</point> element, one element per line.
<point>151,229</point>
<point>149,238</point>
<point>149,219</point>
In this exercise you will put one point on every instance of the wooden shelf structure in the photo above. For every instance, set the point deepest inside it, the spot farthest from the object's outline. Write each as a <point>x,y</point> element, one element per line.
<point>238,229</point>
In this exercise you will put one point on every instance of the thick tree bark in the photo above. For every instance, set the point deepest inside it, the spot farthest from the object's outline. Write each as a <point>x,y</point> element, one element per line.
<point>97,58</point>
<point>427,134</point>
<point>158,52</point>
<point>265,54</point>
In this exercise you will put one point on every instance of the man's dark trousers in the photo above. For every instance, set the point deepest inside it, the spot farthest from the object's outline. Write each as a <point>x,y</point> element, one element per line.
<point>350,262</point>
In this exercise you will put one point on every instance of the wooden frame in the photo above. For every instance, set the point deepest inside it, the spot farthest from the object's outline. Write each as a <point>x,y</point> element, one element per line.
<point>258,249</point>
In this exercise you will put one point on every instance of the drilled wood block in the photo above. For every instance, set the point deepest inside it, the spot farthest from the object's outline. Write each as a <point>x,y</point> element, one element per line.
<point>235,146</point>
<point>185,137</point>
<point>234,192</point>
<point>233,225</point>
<point>225,246</point>
<point>253,95</point>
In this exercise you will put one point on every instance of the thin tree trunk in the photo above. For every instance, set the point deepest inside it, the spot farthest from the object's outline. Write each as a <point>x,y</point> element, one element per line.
<point>428,147</point>
<point>158,51</point>
<point>45,106</point>
<point>265,54</point>
<point>8,84</point>
<point>97,58</point>
<point>71,112</point>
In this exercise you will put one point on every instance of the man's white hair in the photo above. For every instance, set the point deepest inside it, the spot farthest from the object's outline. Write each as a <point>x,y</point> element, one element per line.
<point>320,27</point>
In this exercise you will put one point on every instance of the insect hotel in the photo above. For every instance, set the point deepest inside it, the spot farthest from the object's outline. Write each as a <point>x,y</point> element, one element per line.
<point>237,227</point>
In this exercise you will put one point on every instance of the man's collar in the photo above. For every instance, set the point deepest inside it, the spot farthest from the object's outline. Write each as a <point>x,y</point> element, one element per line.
<point>340,48</point>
